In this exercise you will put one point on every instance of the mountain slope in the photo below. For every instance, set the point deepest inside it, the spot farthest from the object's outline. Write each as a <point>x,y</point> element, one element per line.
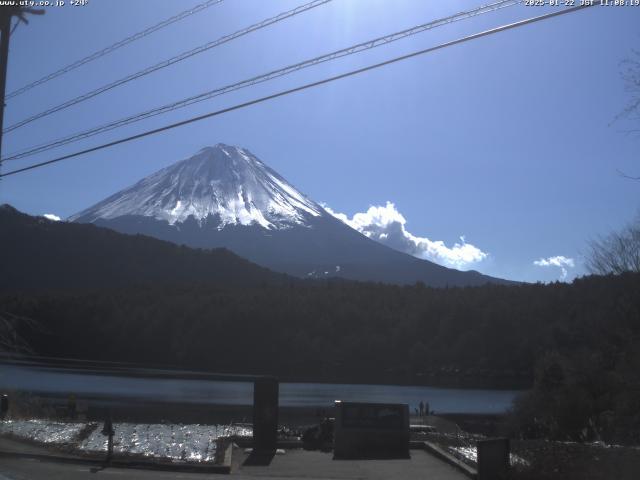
<point>39,253</point>
<point>226,197</point>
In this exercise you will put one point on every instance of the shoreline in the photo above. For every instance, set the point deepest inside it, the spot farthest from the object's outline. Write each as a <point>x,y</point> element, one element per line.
<point>160,412</point>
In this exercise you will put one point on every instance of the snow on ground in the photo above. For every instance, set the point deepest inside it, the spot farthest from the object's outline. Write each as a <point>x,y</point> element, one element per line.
<point>471,453</point>
<point>43,431</point>
<point>177,442</point>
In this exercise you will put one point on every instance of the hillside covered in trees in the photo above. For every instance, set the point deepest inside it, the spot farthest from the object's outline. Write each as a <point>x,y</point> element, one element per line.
<point>38,253</point>
<point>345,331</point>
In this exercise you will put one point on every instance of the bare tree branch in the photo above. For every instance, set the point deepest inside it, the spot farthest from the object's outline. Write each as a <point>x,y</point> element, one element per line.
<point>624,175</point>
<point>617,252</point>
<point>631,76</point>
<point>11,326</point>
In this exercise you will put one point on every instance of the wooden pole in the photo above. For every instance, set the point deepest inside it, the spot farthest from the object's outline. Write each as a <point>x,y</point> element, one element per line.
<point>5,31</point>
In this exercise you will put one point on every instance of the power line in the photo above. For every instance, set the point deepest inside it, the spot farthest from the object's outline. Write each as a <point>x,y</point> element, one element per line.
<point>263,78</point>
<point>102,367</point>
<point>303,87</point>
<point>166,63</point>
<point>207,95</point>
<point>115,46</point>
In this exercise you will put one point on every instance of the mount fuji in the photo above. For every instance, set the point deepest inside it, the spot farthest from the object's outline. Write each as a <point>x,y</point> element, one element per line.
<point>224,196</point>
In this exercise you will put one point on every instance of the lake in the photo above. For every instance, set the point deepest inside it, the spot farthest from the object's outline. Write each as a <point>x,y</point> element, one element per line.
<point>314,395</point>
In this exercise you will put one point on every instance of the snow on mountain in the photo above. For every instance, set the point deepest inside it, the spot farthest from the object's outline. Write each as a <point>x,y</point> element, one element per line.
<point>225,182</point>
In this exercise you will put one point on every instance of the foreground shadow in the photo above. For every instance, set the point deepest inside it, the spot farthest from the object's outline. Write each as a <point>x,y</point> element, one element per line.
<point>259,458</point>
<point>375,456</point>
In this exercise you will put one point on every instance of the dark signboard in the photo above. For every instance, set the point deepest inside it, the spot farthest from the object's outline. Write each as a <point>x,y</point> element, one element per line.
<point>371,430</point>
<point>372,416</point>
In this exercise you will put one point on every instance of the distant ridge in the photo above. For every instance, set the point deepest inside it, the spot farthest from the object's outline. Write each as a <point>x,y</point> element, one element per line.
<point>38,253</point>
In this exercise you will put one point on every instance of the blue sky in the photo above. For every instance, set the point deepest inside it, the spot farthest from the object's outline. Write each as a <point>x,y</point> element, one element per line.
<point>507,140</point>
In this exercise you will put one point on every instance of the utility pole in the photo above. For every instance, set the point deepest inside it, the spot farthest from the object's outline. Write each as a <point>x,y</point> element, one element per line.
<point>6,15</point>
<point>5,30</point>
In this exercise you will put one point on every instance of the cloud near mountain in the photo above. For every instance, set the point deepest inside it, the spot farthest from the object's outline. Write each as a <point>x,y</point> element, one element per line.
<point>559,261</point>
<point>385,224</point>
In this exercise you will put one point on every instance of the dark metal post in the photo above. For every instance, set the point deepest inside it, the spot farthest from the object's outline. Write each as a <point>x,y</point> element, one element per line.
<point>493,459</point>
<point>110,449</point>
<point>265,414</point>
<point>108,430</point>
<point>4,406</point>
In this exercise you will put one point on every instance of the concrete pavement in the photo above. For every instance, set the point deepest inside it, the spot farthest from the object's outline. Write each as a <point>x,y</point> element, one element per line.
<point>320,466</point>
<point>31,469</point>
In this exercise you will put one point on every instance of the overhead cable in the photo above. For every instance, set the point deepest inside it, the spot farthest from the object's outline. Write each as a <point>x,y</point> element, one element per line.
<point>165,63</point>
<point>114,47</point>
<point>301,88</point>
<point>360,47</point>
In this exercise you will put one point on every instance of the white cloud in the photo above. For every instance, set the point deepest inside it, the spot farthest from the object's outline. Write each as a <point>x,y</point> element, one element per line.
<point>386,225</point>
<point>51,216</point>
<point>559,261</point>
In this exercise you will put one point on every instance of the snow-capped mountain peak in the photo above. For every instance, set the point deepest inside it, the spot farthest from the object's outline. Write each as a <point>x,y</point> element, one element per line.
<point>224,182</point>
<point>223,196</point>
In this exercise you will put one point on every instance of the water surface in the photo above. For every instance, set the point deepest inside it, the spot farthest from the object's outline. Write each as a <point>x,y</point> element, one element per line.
<point>315,395</point>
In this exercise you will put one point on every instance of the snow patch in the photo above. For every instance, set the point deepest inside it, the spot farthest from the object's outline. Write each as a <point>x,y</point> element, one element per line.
<point>471,453</point>
<point>177,442</point>
<point>225,182</point>
<point>43,431</point>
